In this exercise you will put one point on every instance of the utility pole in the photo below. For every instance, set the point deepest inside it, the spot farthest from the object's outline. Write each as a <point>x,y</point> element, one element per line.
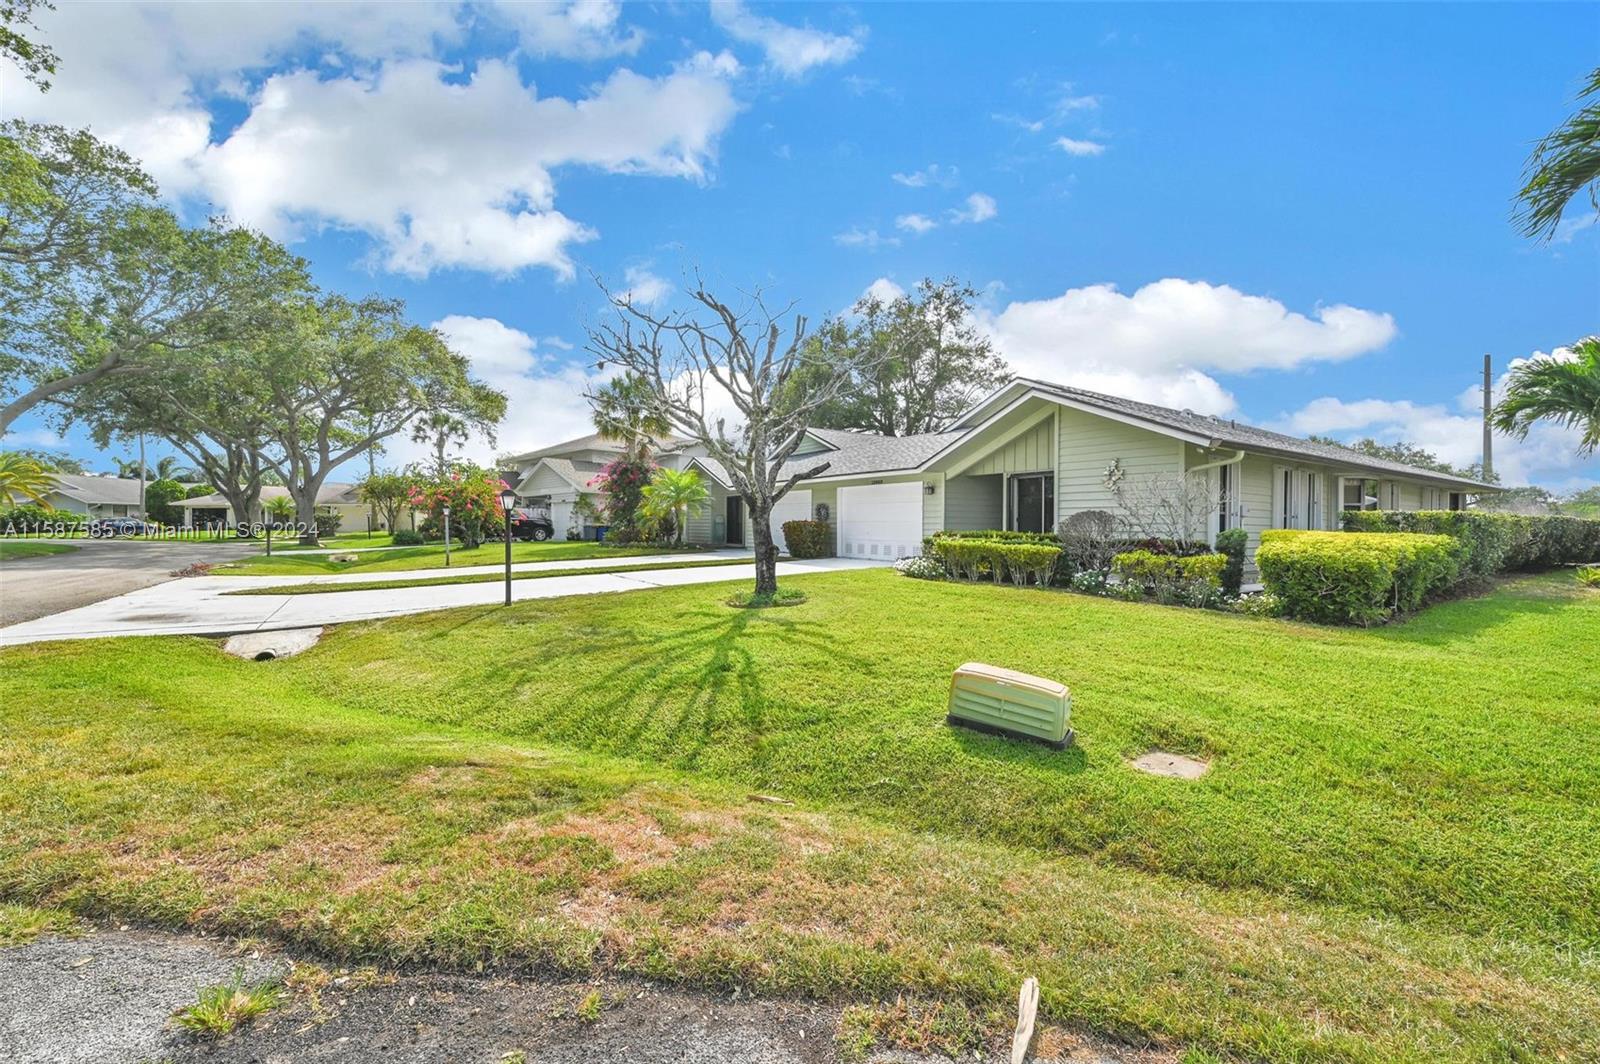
<point>1488,433</point>
<point>142,515</point>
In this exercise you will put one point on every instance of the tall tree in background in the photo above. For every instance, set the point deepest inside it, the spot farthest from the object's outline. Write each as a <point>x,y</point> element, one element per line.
<point>624,409</point>
<point>36,61</point>
<point>350,374</point>
<point>1554,388</point>
<point>1563,165</point>
<point>920,361</point>
<point>209,403</point>
<point>438,429</point>
<point>750,359</point>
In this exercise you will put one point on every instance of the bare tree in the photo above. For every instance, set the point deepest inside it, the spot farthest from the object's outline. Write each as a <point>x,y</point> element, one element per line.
<point>1164,505</point>
<point>749,357</point>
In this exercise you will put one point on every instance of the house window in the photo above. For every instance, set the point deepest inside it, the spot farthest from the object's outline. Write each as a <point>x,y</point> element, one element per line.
<point>1458,500</point>
<point>1225,492</point>
<point>1313,500</point>
<point>1357,493</point>
<point>1033,502</point>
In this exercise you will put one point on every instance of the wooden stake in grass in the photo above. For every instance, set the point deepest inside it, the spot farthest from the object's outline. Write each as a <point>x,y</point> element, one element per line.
<point>1027,1009</point>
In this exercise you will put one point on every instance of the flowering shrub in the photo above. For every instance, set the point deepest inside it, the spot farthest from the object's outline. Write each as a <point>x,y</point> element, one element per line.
<point>919,568</point>
<point>621,483</point>
<point>473,495</point>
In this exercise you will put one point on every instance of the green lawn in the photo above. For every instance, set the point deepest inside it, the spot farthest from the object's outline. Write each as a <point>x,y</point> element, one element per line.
<point>1394,856</point>
<point>348,540</point>
<point>430,556</point>
<point>485,578</point>
<point>11,549</point>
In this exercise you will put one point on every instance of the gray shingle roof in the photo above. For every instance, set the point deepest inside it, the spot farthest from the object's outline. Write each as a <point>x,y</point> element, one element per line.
<point>93,490</point>
<point>1231,433</point>
<point>595,441</point>
<point>864,452</point>
<point>330,495</point>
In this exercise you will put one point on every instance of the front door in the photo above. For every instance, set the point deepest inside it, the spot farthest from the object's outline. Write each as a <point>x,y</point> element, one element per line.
<point>736,520</point>
<point>1032,503</point>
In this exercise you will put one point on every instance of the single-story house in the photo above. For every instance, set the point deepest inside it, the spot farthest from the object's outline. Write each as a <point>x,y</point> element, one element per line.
<point>1027,457</point>
<point>207,510</point>
<point>95,496</point>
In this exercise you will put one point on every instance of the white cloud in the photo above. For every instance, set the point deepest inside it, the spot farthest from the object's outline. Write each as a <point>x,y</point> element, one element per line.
<point>932,174</point>
<point>870,239</point>
<point>791,50</point>
<point>1079,147</point>
<point>1161,343</point>
<point>1568,228</point>
<point>577,29</point>
<point>546,401</point>
<point>1548,457</point>
<point>447,174</point>
<point>883,290</point>
<point>1032,125</point>
<point>979,208</point>
<point>915,223</point>
<point>441,170</point>
<point>645,288</point>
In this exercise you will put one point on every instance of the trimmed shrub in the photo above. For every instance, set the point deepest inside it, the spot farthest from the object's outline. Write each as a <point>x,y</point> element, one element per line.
<point>1589,576</point>
<point>1494,542</point>
<point>971,558</point>
<point>406,537</point>
<point>1088,540</point>
<point>29,518</point>
<point>1231,543</point>
<point>808,539</point>
<point>1355,577</point>
<point>1190,580</point>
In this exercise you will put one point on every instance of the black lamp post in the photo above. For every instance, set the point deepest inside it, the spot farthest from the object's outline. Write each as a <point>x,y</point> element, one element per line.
<point>508,499</point>
<point>447,537</point>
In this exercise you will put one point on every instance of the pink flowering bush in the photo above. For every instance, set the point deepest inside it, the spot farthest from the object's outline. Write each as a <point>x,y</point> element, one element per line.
<point>473,495</point>
<point>621,484</point>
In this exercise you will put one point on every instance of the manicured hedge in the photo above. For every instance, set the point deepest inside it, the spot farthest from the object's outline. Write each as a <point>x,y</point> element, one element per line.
<point>1174,579</point>
<point>1494,542</point>
<point>1232,544</point>
<point>808,539</point>
<point>405,537</point>
<point>1355,577</point>
<point>30,518</point>
<point>972,558</point>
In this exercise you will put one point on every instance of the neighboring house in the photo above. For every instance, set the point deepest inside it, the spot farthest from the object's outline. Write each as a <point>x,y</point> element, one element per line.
<point>205,510</point>
<point>95,496</point>
<point>1030,455</point>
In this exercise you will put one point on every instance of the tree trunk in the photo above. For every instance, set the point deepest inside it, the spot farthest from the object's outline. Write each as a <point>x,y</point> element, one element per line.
<point>243,504</point>
<point>305,513</point>
<point>766,551</point>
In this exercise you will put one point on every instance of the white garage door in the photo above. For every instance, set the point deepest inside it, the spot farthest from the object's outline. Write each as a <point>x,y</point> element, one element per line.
<point>882,521</point>
<point>795,506</point>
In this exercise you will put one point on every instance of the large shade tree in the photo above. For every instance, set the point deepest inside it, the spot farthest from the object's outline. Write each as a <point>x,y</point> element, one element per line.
<point>36,60</point>
<point>751,359</point>
<point>350,374</point>
<point>1564,165</point>
<point>1565,390</point>
<point>918,361</point>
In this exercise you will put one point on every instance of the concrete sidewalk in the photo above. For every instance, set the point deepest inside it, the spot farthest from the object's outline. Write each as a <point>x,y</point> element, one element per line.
<point>201,605</point>
<point>643,561</point>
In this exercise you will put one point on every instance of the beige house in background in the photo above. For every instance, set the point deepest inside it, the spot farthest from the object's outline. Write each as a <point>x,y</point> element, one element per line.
<point>205,510</point>
<point>1023,459</point>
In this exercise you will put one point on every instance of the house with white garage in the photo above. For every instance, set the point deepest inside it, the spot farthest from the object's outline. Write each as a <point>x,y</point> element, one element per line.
<point>1030,455</point>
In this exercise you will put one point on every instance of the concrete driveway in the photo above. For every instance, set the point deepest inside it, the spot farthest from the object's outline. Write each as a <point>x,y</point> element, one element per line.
<point>99,569</point>
<point>201,605</point>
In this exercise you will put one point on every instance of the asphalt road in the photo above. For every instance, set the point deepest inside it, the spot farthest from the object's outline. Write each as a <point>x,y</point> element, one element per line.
<point>106,998</point>
<point>98,569</point>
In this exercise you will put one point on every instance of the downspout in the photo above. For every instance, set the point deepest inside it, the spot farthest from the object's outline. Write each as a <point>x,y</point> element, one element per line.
<point>1238,456</point>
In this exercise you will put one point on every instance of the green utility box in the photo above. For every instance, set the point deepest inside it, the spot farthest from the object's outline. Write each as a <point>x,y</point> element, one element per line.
<point>1005,702</point>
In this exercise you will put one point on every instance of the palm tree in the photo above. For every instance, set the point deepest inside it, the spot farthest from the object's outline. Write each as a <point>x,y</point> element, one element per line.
<point>1566,391</point>
<point>23,479</point>
<point>167,468</point>
<point>625,409</point>
<point>129,468</point>
<point>1562,165</point>
<point>438,429</point>
<point>281,509</point>
<point>675,493</point>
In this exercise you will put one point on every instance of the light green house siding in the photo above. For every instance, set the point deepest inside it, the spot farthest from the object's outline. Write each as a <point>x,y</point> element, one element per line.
<point>1088,444</point>
<point>972,503</point>
<point>1029,453</point>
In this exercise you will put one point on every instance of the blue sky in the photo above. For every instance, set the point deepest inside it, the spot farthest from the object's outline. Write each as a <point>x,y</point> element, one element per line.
<point>1293,215</point>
